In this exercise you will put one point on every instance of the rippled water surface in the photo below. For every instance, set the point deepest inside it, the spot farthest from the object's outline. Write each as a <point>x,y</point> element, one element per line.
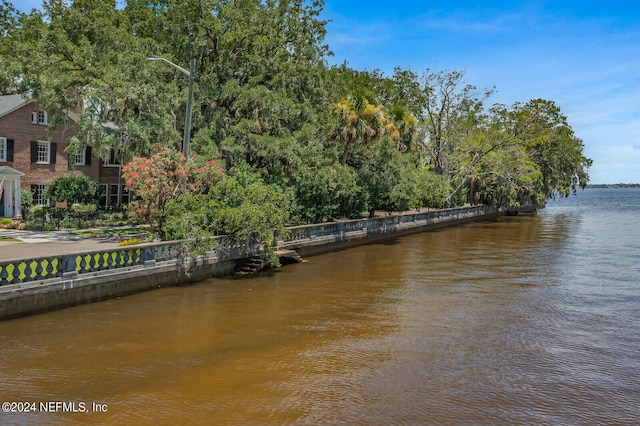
<point>533,319</point>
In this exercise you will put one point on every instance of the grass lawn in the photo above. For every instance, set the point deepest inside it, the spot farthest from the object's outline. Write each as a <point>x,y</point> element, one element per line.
<point>10,240</point>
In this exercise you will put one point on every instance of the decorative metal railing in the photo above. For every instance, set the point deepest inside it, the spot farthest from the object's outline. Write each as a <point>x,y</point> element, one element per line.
<point>227,247</point>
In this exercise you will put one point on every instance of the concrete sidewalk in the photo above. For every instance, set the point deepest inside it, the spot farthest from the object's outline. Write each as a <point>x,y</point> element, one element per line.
<point>33,244</point>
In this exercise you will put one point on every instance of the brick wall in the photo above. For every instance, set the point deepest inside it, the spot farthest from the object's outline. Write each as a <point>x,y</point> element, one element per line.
<point>17,126</point>
<point>110,174</point>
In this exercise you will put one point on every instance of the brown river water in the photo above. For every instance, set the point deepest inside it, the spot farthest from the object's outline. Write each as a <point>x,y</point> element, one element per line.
<point>533,319</point>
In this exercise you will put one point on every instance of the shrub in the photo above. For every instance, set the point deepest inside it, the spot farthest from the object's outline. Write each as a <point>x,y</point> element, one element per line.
<point>130,242</point>
<point>84,209</point>
<point>26,200</point>
<point>163,178</point>
<point>256,212</point>
<point>36,212</point>
<point>72,189</point>
<point>68,222</point>
<point>49,227</point>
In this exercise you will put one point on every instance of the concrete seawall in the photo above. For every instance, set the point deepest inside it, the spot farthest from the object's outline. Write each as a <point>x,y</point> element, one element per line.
<point>351,238</point>
<point>59,282</point>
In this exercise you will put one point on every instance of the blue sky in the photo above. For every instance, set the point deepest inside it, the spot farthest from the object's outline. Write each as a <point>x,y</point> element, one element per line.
<point>583,55</point>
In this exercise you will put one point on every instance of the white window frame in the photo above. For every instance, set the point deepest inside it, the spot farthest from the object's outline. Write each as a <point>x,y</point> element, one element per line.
<point>81,157</point>
<point>124,194</point>
<point>38,196</point>
<point>113,154</point>
<point>113,194</point>
<point>44,152</point>
<point>39,117</point>
<point>3,149</point>
<point>103,192</point>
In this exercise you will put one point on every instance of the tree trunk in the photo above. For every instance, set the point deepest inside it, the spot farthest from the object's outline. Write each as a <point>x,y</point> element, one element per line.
<point>456,191</point>
<point>345,153</point>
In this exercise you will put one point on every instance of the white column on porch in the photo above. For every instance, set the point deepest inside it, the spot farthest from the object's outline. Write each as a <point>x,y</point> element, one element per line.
<point>17,196</point>
<point>12,192</point>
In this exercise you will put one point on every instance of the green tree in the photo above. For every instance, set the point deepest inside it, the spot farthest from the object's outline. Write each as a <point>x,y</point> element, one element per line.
<point>72,188</point>
<point>551,143</point>
<point>254,212</point>
<point>259,78</point>
<point>328,192</point>
<point>26,202</point>
<point>359,121</point>
<point>450,112</point>
<point>86,55</point>
<point>388,178</point>
<point>400,127</point>
<point>522,155</point>
<point>162,178</point>
<point>433,188</point>
<point>263,102</point>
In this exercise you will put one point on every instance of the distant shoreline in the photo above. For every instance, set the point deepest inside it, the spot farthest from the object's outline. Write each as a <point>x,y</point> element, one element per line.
<point>614,185</point>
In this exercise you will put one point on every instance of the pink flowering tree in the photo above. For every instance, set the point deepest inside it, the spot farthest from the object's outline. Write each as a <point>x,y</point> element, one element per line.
<point>162,178</point>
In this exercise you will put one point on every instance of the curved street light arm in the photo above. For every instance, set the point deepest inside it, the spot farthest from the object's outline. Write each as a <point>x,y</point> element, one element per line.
<point>187,125</point>
<point>178,67</point>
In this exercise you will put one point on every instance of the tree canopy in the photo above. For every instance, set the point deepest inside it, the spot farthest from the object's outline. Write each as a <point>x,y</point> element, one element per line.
<point>331,140</point>
<point>72,188</point>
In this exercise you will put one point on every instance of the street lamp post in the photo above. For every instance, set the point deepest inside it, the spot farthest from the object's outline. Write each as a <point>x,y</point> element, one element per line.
<point>187,121</point>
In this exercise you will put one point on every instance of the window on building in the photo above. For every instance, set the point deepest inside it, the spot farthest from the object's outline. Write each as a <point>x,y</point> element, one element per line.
<point>38,195</point>
<point>114,195</point>
<point>6,149</point>
<point>102,195</point>
<point>114,158</point>
<point>39,117</point>
<point>83,158</point>
<point>80,158</point>
<point>126,196</point>
<point>43,152</point>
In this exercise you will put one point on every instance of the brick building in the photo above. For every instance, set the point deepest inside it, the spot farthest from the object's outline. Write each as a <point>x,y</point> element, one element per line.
<point>32,155</point>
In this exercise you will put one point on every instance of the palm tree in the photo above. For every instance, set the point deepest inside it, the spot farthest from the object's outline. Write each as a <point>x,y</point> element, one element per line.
<point>400,125</point>
<point>359,121</point>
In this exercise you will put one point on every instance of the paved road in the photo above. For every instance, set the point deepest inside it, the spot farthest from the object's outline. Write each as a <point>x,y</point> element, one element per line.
<point>40,244</point>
